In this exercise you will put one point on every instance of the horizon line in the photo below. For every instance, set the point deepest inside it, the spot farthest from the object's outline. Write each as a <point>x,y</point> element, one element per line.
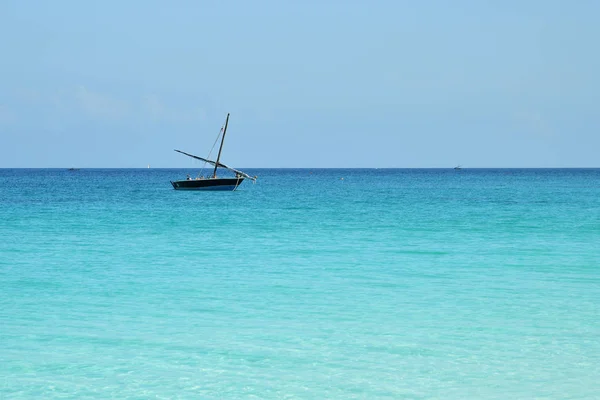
<point>192,168</point>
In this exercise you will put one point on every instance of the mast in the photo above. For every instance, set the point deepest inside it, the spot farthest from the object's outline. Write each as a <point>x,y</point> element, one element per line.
<point>221,147</point>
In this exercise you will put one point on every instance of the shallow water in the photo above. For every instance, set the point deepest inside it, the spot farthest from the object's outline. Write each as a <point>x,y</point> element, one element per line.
<point>417,284</point>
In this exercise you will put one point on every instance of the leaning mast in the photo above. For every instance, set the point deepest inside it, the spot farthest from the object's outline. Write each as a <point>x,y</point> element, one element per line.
<point>221,147</point>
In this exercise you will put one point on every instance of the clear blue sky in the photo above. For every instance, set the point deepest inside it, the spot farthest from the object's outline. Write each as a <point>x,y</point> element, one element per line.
<point>308,83</point>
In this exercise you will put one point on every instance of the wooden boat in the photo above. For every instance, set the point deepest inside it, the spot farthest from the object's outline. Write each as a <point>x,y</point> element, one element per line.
<point>213,182</point>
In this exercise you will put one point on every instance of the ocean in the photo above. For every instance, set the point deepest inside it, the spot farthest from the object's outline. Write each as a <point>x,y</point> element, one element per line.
<point>309,284</point>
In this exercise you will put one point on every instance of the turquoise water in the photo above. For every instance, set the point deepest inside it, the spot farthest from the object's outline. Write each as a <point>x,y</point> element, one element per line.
<point>416,284</point>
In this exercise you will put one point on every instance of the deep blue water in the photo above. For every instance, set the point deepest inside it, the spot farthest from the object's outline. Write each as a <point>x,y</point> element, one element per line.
<point>417,284</point>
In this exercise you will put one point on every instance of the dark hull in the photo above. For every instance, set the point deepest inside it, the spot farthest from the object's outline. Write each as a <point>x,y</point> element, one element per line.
<point>229,184</point>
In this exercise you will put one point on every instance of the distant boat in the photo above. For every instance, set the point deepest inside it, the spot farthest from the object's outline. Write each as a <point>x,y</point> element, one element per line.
<point>73,169</point>
<point>213,182</point>
<point>458,167</point>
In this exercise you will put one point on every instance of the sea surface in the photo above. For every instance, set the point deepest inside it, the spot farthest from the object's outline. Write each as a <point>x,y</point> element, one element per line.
<point>309,284</point>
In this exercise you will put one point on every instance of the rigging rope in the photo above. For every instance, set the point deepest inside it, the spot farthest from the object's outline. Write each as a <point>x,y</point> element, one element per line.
<point>211,150</point>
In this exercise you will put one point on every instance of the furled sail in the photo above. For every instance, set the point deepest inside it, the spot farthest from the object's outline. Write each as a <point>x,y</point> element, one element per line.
<point>245,175</point>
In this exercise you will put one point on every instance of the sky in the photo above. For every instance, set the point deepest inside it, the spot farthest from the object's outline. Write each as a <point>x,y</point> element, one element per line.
<point>308,83</point>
